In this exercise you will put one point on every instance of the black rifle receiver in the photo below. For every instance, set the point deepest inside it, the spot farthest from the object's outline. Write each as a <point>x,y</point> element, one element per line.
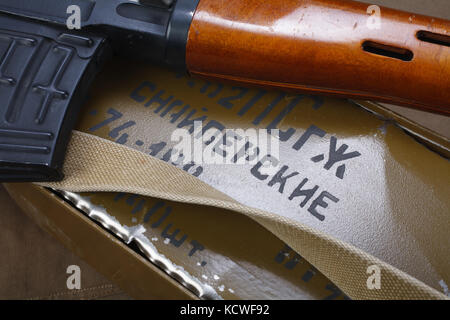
<point>46,68</point>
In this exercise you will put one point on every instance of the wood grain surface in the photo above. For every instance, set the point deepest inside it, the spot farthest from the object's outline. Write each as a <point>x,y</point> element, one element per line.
<point>317,46</point>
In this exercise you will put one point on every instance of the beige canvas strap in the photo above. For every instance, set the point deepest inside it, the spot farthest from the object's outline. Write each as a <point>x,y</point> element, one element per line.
<point>96,164</point>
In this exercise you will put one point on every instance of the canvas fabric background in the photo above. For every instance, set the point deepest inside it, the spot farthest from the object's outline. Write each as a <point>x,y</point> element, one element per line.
<point>90,167</point>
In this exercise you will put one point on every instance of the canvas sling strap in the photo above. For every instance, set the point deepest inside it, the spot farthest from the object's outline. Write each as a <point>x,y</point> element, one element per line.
<point>94,164</point>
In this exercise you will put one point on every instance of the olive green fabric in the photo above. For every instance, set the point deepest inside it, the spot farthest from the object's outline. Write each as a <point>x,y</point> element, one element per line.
<point>96,164</point>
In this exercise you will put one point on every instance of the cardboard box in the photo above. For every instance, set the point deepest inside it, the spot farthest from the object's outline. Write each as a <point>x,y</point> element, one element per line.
<point>387,192</point>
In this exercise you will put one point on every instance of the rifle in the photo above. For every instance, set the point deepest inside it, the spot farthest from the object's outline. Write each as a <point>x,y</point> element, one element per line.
<point>51,51</point>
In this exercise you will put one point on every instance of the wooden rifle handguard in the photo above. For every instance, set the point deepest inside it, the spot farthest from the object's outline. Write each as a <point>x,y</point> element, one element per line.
<point>324,46</point>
